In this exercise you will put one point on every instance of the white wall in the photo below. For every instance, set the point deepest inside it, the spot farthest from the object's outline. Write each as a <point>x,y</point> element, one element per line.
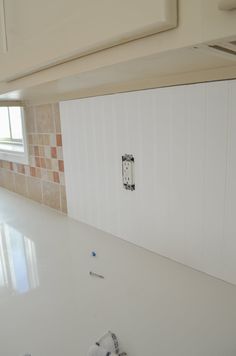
<point>184,142</point>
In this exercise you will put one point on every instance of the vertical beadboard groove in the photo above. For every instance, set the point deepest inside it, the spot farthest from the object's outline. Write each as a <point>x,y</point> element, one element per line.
<point>185,198</point>
<point>227,170</point>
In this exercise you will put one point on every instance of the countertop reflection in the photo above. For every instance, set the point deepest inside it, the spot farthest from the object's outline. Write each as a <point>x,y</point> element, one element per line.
<point>18,262</point>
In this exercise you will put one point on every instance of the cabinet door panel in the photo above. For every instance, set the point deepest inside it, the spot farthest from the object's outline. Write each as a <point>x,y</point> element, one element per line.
<point>41,33</point>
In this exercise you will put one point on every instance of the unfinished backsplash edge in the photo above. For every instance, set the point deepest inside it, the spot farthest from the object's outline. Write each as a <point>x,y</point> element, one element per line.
<point>43,179</point>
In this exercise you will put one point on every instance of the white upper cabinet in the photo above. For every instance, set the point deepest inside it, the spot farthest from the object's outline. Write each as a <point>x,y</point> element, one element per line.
<point>42,33</point>
<point>3,35</point>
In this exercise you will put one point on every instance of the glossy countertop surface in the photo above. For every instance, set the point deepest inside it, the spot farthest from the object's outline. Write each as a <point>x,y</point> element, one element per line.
<point>51,306</point>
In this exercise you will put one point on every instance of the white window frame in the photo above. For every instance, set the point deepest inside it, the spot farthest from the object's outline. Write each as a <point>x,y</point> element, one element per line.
<point>7,154</point>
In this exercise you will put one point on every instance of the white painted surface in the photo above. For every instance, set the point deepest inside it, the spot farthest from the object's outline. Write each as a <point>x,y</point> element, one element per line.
<point>54,308</point>
<point>41,34</point>
<point>184,143</point>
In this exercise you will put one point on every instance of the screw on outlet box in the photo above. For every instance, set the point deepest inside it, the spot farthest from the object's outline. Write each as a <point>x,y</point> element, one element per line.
<point>93,254</point>
<point>93,274</point>
<point>128,172</point>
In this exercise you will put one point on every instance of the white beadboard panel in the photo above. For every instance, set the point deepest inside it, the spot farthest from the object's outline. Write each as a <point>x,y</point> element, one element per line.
<point>184,143</point>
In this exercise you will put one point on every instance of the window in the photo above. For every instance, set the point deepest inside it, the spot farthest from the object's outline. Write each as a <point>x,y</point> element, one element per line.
<point>13,145</point>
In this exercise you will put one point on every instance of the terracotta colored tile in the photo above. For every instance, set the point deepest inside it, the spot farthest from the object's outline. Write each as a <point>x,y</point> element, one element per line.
<point>21,168</point>
<point>61,165</point>
<point>59,139</point>
<point>56,178</point>
<point>36,150</point>
<point>37,162</point>
<point>48,163</point>
<point>11,166</point>
<point>42,162</point>
<point>33,171</point>
<point>53,152</point>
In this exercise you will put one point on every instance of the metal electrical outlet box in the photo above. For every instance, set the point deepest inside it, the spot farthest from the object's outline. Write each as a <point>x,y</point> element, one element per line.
<point>128,172</point>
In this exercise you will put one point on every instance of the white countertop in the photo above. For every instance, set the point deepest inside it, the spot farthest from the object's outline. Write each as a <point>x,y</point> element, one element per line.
<point>50,306</point>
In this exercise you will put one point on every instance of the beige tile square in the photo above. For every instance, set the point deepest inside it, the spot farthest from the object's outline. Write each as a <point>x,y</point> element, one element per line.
<point>30,139</point>
<point>62,178</point>
<point>34,189</point>
<point>31,149</point>
<point>8,180</point>
<point>44,174</point>
<point>47,151</point>
<point>48,163</point>
<point>38,172</point>
<point>41,139</point>
<point>60,153</point>
<point>46,140</point>
<point>53,140</point>
<point>1,177</point>
<point>57,120</point>
<point>14,167</point>
<point>7,165</point>
<point>35,139</point>
<point>20,185</point>
<point>44,119</point>
<point>32,161</point>
<point>51,195</point>
<point>50,176</point>
<point>63,199</point>
<point>29,119</point>
<point>27,170</point>
<point>54,163</point>
<point>41,151</point>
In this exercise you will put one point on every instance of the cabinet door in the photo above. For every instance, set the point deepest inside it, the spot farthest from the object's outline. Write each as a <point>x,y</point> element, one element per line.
<point>43,33</point>
<point>3,35</point>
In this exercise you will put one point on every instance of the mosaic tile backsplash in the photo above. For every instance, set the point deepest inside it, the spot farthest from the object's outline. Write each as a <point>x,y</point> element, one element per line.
<point>43,180</point>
